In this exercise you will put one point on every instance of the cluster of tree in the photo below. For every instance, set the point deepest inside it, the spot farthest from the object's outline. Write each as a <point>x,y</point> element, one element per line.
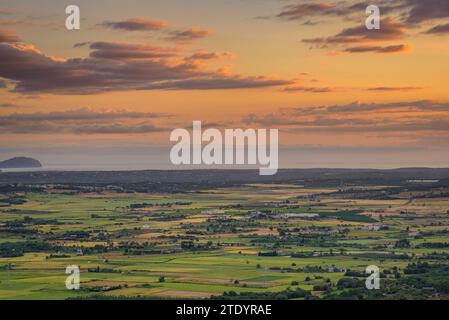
<point>57,256</point>
<point>192,246</point>
<point>268,254</point>
<point>383,256</point>
<point>402,244</point>
<point>345,283</point>
<point>427,285</point>
<point>423,267</point>
<point>282,295</point>
<point>224,225</point>
<point>314,240</point>
<point>357,293</point>
<point>17,249</point>
<point>434,245</point>
<point>302,255</point>
<point>72,235</point>
<point>121,297</point>
<point>166,204</point>
<point>104,288</point>
<point>97,249</point>
<point>435,256</point>
<point>167,217</point>
<point>17,227</point>
<point>102,270</point>
<point>13,200</point>
<point>140,205</point>
<point>306,269</point>
<point>348,215</point>
<point>39,221</point>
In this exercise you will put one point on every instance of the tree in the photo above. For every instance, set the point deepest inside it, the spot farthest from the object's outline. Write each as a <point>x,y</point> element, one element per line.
<point>403,243</point>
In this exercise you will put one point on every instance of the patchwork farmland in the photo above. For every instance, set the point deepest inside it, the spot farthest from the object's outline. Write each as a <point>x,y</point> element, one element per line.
<point>246,241</point>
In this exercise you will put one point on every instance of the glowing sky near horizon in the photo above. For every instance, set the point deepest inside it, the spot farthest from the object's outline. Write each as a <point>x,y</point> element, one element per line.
<point>138,69</point>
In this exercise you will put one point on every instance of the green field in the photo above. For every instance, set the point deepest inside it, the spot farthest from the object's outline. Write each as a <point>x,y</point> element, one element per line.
<point>253,239</point>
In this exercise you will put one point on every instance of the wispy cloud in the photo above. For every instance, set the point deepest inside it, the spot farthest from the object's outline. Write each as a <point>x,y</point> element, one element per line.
<point>188,35</point>
<point>80,114</point>
<point>84,120</point>
<point>123,51</point>
<point>218,83</point>
<point>379,49</point>
<point>8,36</point>
<point>208,55</point>
<point>413,116</point>
<point>360,39</point>
<point>308,89</point>
<point>6,11</point>
<point>394,89</point>
<point>135,24</point>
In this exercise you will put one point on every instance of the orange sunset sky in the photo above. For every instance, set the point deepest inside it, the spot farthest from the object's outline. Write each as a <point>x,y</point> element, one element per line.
<point>111,92</point>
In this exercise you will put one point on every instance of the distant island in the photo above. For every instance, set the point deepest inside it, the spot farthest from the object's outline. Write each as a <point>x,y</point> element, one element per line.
<point>20,162</point>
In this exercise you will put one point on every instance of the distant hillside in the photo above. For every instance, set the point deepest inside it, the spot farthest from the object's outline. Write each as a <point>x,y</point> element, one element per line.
<point>20,162</point>
<point>188,180</point>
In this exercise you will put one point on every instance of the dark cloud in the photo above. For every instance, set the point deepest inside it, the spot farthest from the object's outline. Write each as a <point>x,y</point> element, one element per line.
<point>299,11</point>
<point>310,23</point>
<point>348,125</point>
<point>397,16</point>
<point>117,129</point>
<point>83,120</point>
<point>218,83</point>
<point>367,40</point>
<point>413,116</point>
<point>88,121</point>
<point>49,128</point>
<point>378,49</point>
<point>358,107</point>
<point>10,105</point>
<point>341,9</point>
<point>439,29</point>
<point>113,67</point>
<point>390,30</point>
<point>81,44</point>
<point>121,51</point>
<point>8,36</point>
<point>207,55</point>
<point>423,11</point>
<point>188,35</point>
<point>308,89</point>
<point>412,11</point>
<point>271,120</point>
<point>135,24</point>
<point>79,114</point>
<point>394,88</point>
